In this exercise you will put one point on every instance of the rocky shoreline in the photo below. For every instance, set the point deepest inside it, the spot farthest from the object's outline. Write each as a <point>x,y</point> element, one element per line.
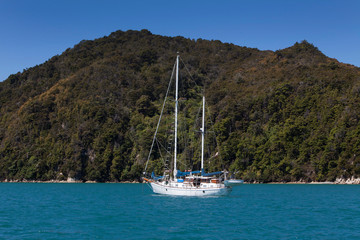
<point>351,180</point>
<point>344,181</point>
<point>69,180</point>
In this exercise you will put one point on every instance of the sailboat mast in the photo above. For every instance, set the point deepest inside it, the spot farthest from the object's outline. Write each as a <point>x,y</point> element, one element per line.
<point>203,135</point>
<point>176,112</point>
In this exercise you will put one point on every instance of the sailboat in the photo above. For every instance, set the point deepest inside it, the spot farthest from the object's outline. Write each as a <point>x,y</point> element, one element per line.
<point>187,183</point>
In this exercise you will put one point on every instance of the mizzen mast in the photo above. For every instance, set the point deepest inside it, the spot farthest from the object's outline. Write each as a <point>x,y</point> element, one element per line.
<point>202,135</point>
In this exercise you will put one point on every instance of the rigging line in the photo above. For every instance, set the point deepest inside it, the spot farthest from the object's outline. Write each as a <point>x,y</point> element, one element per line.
<point>186,144</point>
<point>216,141</point>
<point>188,72</point>
<point>148,184</point>
<point>161,157</point>
<point>162,110</point>
<point>163,147</point>
<point>190,149</point>
<point>185,138</point>
<point>183,164</point>
<point>197,117</point>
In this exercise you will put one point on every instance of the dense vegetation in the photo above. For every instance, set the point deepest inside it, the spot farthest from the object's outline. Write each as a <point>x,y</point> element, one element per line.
<point>90,112</point>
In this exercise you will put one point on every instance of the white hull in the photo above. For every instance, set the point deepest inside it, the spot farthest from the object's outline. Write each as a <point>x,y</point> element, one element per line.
<point>233,182</point>
<point>183,190</point>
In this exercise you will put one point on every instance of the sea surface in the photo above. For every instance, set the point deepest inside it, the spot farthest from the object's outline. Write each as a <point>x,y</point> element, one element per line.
<point>132,211</point>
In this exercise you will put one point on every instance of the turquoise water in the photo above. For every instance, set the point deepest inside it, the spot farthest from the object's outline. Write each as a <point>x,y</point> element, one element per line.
<point>131,211</point>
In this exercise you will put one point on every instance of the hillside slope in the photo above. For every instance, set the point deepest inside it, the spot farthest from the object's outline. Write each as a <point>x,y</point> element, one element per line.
<point>90,112</point>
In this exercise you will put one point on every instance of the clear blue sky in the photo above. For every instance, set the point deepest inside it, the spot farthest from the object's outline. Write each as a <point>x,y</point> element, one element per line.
<point>32,31</point>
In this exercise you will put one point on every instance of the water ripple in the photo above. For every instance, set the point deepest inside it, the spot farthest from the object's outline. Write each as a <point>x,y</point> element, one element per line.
<point>131,211</point>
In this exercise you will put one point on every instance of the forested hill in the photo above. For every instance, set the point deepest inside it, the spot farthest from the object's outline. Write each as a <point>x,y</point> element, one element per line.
<point>90,113</point>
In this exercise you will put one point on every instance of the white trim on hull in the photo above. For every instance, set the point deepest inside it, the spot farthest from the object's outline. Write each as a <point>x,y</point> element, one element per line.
<point>190,191</point>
